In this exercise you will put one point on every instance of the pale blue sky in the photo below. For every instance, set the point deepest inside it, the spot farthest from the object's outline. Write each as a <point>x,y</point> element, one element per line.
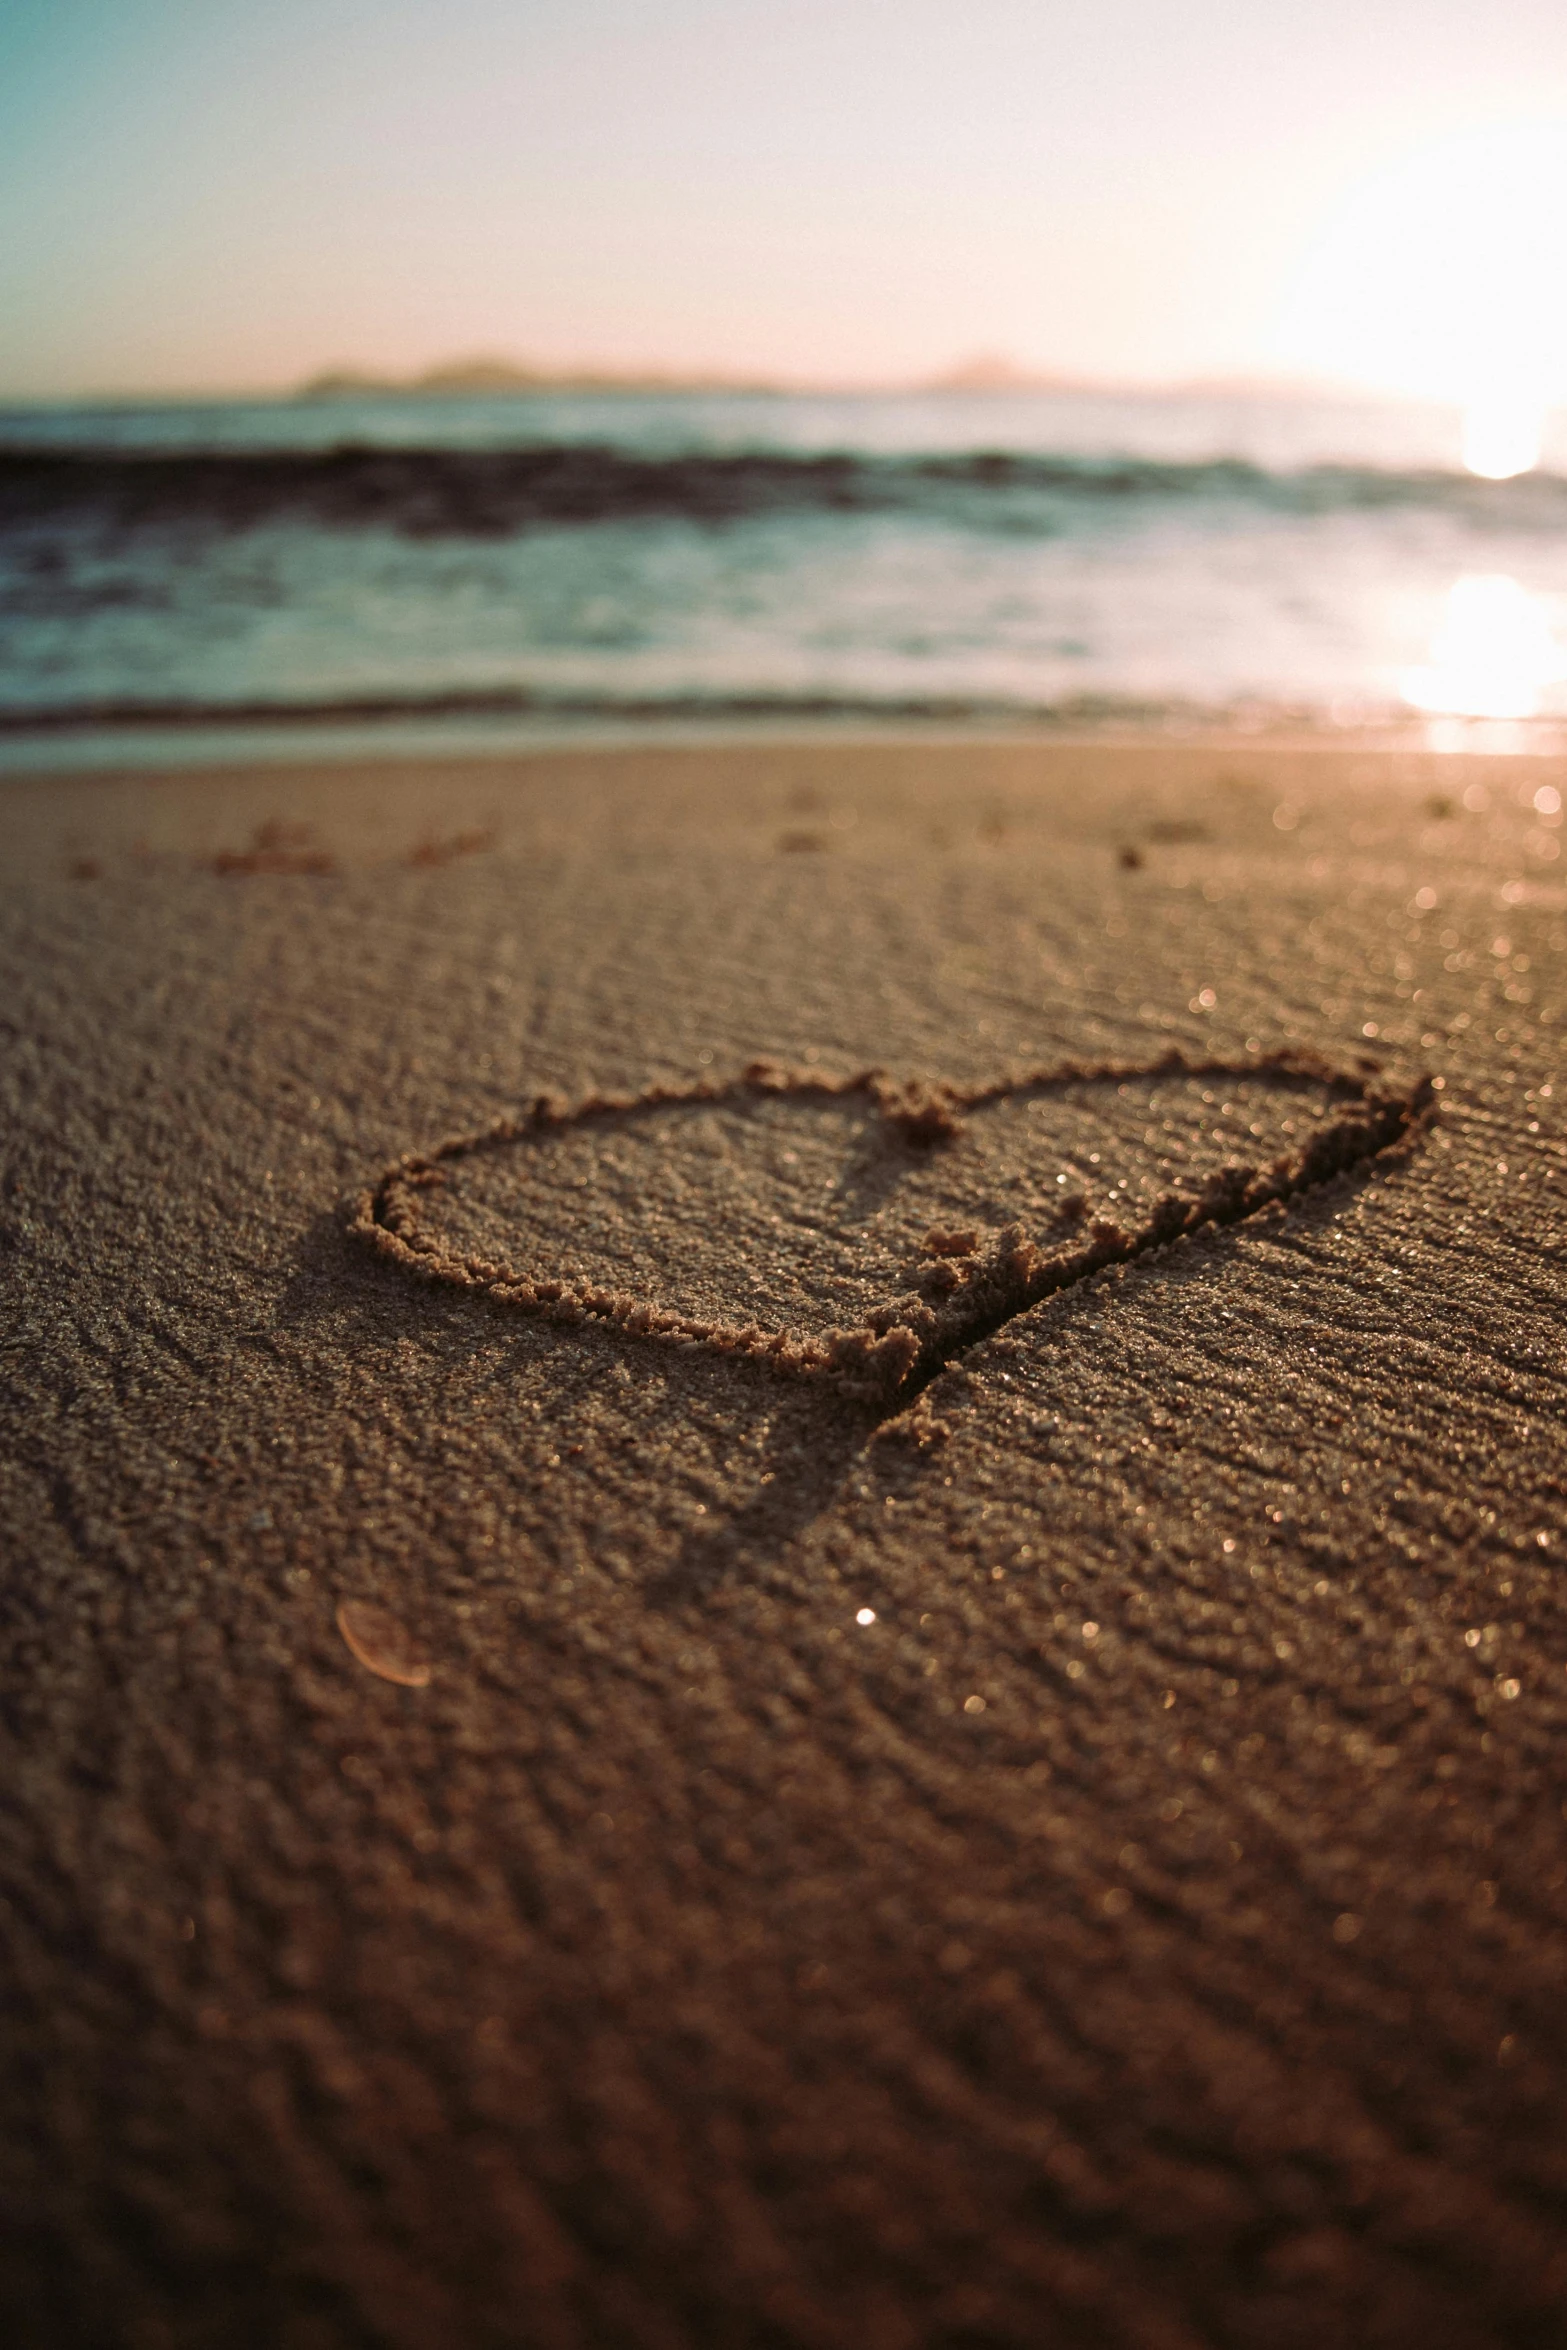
<point>197,194</point>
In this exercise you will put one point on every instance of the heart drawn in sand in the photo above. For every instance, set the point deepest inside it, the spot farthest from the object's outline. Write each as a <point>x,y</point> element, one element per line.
<point>857,1230</point>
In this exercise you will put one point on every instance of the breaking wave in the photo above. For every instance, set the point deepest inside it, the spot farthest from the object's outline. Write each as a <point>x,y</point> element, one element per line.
<point>497,493</point>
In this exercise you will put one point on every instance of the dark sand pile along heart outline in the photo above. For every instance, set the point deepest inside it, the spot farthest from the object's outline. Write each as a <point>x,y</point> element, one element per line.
<point>888,1359</point>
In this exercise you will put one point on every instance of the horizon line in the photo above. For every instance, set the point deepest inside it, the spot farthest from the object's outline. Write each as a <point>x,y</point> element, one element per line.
<point>495,377</point>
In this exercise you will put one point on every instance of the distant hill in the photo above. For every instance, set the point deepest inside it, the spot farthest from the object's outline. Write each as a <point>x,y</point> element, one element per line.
<point>992,371</point>
<point>488,377</point>
<point>482,378</point>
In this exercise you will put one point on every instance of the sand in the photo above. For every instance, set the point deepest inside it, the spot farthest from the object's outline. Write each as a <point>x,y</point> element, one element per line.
<point>536,1825</point>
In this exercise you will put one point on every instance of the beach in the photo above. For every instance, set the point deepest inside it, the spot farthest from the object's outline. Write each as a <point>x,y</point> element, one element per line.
<point>532,1822</point>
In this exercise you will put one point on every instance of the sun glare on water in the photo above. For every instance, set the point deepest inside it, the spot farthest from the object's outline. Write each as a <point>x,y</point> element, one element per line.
<point>1494,655</point>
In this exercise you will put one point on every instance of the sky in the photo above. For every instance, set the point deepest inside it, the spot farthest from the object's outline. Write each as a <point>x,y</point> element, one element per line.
<point>215,195</point>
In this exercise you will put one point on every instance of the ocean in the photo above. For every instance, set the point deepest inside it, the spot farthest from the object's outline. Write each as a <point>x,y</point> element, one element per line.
<point>353,570</point>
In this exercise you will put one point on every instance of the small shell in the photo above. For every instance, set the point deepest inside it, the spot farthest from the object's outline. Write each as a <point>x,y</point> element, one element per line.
<point>381,1644</point>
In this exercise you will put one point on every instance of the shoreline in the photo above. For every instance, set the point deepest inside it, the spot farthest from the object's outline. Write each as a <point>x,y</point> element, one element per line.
<point>142,749</point>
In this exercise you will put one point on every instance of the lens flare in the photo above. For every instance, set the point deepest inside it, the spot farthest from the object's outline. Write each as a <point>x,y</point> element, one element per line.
<point>1440,277</point>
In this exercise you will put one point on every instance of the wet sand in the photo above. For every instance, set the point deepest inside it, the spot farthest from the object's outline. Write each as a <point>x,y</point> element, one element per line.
<point>529,1823</point>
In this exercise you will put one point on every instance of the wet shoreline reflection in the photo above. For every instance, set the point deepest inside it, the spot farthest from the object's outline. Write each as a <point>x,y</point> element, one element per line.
<point>1494,655</point>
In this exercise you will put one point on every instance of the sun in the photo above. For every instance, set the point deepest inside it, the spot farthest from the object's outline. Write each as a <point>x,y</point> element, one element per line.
<point>1444,277</point>
<point>1504,433</point>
